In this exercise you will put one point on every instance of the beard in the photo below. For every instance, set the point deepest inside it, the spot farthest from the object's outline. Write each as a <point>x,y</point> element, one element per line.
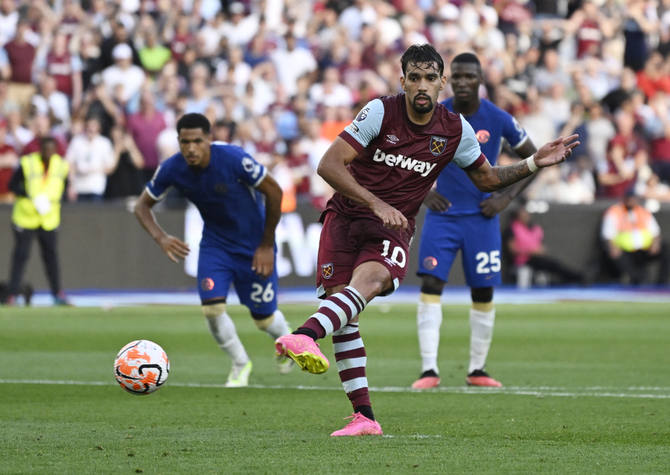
<point>419,109</point>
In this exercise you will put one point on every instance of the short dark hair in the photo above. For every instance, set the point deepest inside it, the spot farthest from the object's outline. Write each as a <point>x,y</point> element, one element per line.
<point>44,141</point>
<point>194,121</point>
<point>425,53</point>
<point>467,58</point>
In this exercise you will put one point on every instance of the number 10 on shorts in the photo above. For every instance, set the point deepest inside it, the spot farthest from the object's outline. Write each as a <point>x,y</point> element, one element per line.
<point>398,252</point>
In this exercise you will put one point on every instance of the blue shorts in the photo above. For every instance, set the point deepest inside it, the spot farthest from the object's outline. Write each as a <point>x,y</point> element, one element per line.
<point>218,269</point>
<point>476,236</point>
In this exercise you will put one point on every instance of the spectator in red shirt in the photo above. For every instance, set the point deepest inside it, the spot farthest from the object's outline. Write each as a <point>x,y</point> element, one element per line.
<point>626,154</point>
<point>654,77</point>
<point>42,128</point>
<point>66,69</point>
<point>21,55</point>
<point>8,161</point>
<point>145,126</point>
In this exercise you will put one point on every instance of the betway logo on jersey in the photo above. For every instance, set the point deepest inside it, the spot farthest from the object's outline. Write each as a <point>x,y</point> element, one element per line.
<point>402,161</point>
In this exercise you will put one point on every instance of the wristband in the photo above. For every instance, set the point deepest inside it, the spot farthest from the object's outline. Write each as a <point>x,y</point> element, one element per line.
<point>530,161</point>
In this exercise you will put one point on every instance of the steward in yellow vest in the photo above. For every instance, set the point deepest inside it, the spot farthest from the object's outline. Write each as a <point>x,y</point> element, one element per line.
<point>633,240</point>
<point>38,183</point>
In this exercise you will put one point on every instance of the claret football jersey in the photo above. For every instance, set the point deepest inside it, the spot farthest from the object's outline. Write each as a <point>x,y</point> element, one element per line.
<point>398,161</point>
<point>225,194</point>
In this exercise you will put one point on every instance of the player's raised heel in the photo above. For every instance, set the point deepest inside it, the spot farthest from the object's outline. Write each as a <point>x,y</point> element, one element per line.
<point>304,351</point>
<point>360,425</point>
<point>480,378</point>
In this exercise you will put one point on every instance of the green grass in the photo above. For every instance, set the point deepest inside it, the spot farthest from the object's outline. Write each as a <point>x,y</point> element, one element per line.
<point>575,375</point>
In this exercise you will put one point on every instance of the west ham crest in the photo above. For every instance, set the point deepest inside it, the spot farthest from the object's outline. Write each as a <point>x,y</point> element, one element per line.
<point>327,270</point>
<point>437,145</point>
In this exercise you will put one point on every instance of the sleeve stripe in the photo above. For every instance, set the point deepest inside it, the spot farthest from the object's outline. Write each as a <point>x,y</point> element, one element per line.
<point>261,178</point>
<point>346,136</point>
<point>154,197</point>
<point>522,143</point>
<point>476,164</point>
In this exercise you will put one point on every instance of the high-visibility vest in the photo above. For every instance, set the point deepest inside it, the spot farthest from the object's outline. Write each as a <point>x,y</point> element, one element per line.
<point>633,231</point>
<point>51,184</point>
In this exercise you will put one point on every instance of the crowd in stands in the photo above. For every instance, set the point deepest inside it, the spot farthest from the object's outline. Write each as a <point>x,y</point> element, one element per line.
<point>282,78</point>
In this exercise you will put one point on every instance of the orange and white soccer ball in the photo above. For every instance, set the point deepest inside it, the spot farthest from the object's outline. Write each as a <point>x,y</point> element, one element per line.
<point>141,367</point>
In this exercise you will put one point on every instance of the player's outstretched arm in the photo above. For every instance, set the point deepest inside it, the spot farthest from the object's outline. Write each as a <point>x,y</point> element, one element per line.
<point>264,257</point>
<point>333,169</point>
<point>487,178</point>
<point>499,200</point>
<point>173,247</point>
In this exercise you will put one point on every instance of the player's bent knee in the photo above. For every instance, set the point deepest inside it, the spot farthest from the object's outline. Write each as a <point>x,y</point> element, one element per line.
<point>263,321</point>
<point>482,295</point>
<point>213,310</point>
<point>431,285</point>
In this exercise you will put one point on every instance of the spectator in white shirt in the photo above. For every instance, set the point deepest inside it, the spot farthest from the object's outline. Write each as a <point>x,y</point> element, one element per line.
<point>91,157</point>
<point>330,92</point>
<point>123,73</point>
<point>50,101</point>
<point>292,63</point>
<point>240,29</point>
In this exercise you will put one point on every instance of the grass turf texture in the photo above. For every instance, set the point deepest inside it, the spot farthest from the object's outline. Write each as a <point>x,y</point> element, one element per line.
<point>583,354</point>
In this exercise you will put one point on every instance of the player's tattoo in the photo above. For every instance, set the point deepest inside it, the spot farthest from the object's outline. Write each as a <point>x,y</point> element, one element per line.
<point>511,173</point>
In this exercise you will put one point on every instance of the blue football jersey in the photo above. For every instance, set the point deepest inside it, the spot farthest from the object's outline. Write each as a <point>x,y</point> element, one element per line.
<point>225,194</point>
<point>491,125</point>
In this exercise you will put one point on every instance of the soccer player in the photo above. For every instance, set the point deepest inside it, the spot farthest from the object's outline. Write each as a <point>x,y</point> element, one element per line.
<point>238,240</point>
<point>460,217</point>
<point>382,166</point>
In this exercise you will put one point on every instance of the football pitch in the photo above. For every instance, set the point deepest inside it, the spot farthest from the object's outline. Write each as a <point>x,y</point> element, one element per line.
<point>586,391</point>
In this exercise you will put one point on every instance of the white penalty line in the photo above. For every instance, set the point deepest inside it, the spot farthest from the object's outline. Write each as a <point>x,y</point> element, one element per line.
<point>542,391</point>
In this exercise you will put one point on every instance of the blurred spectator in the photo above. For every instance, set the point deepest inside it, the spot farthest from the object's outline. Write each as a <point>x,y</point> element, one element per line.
<point>654,77</point>
<point>614,99</point>
<point>153,55</point>
<point>525,242</point>
<point>119,36</point>
<point>91,158</point>
<point>8,161</point>
<point>98,103</point>
<point>52,102</point>
<point>579,187</point>
<point>234,71</point>
<point>91,63</point>
<point>591,26</point>
<point>330,92</point>
<point>632,239</point>
<point>126,179</point>
<point>145,127</point>
<point>551,72</point>
<point>640,22</point>
<point>240,28</point>
<point>65,68</point>
<point>626,153</point>
<point>123,73</point>
<point>9,18</point>
<point>292,63</point>
<point>179,39</point>
<point>17,134</point>
<point>42,127</point>
<point>355,16</point>
<point>600,131</point>
<point>21,56</point>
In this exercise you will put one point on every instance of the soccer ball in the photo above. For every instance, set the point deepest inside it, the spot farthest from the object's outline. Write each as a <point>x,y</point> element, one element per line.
<point>141,367</point>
